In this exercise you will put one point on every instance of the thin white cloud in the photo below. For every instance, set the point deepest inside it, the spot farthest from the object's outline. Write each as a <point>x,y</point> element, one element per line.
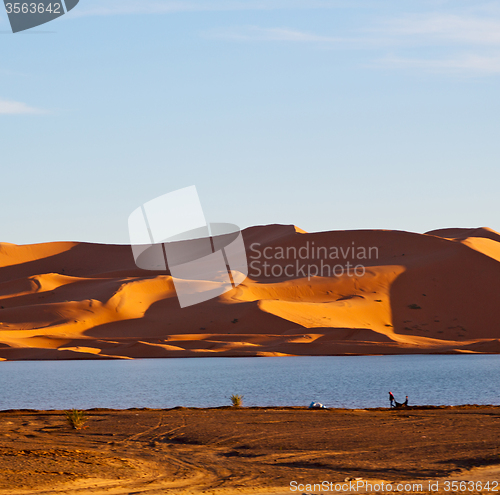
<point>285,34</point>
<point>9,107</point>
<point>466,64</point>
<point>442,30</point>
<point>438,28</point>
<point>471,44</point>
<point>255,33</point>
<point>468,38</point>
<point>124,7</point>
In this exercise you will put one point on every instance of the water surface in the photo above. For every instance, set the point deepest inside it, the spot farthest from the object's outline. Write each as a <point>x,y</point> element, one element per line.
<point>336,381</point>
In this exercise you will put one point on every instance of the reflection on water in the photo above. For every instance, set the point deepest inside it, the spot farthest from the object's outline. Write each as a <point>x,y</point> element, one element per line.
<point>337,381</point>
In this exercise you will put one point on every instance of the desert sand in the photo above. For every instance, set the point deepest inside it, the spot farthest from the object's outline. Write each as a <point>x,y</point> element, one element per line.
<point>419,293</point>
<point>247,450</point>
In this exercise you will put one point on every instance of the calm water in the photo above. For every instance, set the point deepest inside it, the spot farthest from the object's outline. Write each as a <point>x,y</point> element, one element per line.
<point>348,381</point>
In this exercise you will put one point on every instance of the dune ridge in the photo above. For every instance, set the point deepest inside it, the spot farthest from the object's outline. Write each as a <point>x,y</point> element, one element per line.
<point>419,293</point>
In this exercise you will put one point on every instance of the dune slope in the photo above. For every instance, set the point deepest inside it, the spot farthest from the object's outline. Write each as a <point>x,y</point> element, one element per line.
<point>326,293</point>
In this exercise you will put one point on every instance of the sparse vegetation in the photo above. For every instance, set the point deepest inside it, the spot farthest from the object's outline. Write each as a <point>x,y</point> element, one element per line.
<point>237,400</point>
<point>414,306</point>
<point>76,418</point>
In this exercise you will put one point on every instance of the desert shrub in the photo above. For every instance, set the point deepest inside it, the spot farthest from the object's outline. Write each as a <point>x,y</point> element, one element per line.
<point>76,419</point>
<point>237,400</point>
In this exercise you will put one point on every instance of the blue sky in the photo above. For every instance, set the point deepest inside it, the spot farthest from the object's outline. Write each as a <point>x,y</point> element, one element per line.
<point>325,114</point>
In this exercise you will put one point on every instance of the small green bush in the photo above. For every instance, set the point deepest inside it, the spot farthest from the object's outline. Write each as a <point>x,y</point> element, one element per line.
<point>76,419</point>
<point>237,400</point>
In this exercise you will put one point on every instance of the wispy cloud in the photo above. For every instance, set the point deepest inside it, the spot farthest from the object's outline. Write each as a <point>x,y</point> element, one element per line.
<point>9,107</point>
<point>123,7</point>
<point>466,36</point>
<point>471,44</point>
<point>421,30</point>
<point>466,63</point>
<point>467,43</point>
<point>449,29</point>
<point>255,33</point>
<point>290,35</point>
<point>417,28</point>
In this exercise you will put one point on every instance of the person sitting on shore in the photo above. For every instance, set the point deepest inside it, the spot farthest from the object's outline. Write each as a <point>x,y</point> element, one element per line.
<point>402,404</point>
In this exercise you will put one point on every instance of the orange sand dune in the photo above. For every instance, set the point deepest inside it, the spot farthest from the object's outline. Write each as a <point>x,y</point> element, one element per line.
<point>410,293</point>
<point>484,240</point>
<point>461,234</point>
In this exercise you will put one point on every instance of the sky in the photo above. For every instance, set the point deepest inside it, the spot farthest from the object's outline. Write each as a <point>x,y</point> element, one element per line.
<point>325,114</point>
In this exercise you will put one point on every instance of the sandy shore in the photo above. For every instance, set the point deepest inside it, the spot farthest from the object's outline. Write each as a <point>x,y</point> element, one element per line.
<point>246,450</point>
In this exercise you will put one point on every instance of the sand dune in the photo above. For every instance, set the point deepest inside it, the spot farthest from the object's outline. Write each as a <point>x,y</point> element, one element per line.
<point>416,293</point>
<point>484,240</point>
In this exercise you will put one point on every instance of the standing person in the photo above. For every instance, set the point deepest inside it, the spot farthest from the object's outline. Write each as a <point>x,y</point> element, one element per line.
<point>406,401</point>
<point>392,400</point>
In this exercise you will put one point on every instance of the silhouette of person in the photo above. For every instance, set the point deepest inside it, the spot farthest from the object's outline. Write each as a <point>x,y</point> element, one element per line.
<point>392,400</point>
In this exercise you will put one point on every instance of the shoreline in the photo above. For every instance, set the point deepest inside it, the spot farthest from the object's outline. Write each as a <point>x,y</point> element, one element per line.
<point>60,356</point>
<point>423,407</point>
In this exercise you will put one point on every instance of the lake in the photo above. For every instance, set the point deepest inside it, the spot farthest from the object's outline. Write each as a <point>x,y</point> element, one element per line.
<point>336,381</point>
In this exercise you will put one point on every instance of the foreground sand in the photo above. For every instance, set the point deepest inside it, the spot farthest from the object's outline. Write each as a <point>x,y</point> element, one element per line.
<point>421,293</point>
<point>254,450</point>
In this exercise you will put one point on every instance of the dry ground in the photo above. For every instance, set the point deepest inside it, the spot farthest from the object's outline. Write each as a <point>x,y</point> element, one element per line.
<point>233,450</point>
